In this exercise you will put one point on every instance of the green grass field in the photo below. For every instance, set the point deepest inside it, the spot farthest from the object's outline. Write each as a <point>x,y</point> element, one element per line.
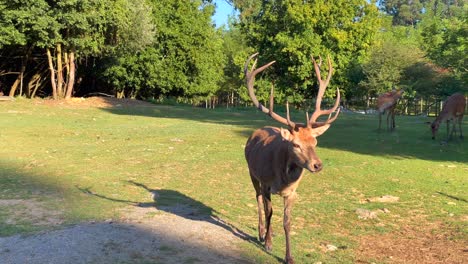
<point>60,154</point>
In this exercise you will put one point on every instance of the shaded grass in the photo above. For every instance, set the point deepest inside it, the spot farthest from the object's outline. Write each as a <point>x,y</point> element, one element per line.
<point>62,155</point>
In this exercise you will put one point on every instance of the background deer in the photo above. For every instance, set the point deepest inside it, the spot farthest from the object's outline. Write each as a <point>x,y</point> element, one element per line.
<point>277,157</point>
<point>453,109</point>
<point>387,102</point>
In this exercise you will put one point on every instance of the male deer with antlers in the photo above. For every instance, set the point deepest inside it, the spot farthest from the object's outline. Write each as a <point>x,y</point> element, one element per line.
<point>387,102</point>
<point>453,109</point>
<point>277,157</point>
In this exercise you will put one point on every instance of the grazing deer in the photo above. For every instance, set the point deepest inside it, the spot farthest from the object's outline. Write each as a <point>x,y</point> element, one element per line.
<point>277,157</point>
<point>387,102</point>
<point>453,109</point>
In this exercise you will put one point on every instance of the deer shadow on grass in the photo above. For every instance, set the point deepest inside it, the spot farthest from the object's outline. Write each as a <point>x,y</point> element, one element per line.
<point>174,202</point>
<point>460,199</point>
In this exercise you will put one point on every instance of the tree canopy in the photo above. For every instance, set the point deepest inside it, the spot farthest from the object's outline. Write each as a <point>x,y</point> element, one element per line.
<point>171,48</point>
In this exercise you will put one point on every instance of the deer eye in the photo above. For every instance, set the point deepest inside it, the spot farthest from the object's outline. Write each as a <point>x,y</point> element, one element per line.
<point>296,145</point>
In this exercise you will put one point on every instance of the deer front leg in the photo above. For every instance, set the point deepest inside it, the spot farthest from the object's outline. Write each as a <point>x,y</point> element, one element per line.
<point>261,226</point>
<point>259,197</point>
<point>288,202</point>
<point>380,120</point>
<point>268,213</point>
<point>454,128</point>
<point>389,113</point>
<point>459,125</point>
<point>448,129</point>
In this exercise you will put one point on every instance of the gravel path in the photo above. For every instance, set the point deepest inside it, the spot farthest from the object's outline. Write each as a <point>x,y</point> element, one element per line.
<point>161,238</point>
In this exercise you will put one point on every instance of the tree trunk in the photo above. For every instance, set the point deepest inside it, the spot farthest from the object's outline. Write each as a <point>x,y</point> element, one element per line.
<point>15,85</point>
<point>59,71</point>
<point>367,104</point>
<point>33,82</point>
<point>52,74</point>
<point>120,95</point>
<point>36,87</point>
<point>406,107</point>
<point>23,68</point>
<point>24,61</point>
<point>421,105</point>
<point>67,68</point>
<point>71,79</point>
<point>228,100</point>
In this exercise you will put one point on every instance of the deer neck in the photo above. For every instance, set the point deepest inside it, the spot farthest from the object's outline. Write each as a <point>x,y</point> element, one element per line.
<point>289,179</point>
<point>443,115</point>
<point>292,171</point>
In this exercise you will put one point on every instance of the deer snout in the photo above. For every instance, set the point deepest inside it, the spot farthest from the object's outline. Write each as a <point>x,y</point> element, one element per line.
<point>314,166</point>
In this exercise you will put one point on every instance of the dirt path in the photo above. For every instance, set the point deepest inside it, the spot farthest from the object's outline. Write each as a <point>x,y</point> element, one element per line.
<point>161,238</point>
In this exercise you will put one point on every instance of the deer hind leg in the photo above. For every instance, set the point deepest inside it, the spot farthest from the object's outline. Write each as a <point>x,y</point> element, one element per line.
<point>389,121</point>
<point>454,127</point>
<point>380,120</point>
<point>460,118</point>
<point>259,197</point>
<point>449,135</point>
<point>268,213</point>
<point>288,203</point>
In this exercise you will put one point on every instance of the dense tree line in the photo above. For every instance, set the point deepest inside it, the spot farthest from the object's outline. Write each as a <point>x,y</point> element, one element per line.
<point>171,48</point>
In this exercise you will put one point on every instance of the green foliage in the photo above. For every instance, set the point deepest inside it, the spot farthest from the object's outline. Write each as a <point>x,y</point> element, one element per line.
<point>131,25</point>
<point>385,67</point>
<point>414,58</point>
<point>190,46</point>
<point>184,59</point>
<point>403,12</point>
<point>27,23</point>
<point>161,48</point>
<point>94,26</point>
<point>236,51</point>
<point>445,41</point>
<point>292,31</point>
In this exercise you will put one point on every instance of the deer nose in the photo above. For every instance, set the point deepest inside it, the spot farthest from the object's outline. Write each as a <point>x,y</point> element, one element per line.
<point>314,167</point>
<point>318,166</point>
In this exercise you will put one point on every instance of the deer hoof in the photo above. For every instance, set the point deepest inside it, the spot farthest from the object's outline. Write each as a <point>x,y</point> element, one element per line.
<point>268,247</point>
<point>289,260</point>
<point>261,235</point>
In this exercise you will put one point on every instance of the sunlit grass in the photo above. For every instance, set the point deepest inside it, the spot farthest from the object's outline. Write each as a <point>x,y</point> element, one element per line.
<point>62,154</point>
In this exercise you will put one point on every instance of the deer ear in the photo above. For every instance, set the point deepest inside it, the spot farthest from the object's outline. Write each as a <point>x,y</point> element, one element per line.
<point>320,130</point>
<point>285,134</point>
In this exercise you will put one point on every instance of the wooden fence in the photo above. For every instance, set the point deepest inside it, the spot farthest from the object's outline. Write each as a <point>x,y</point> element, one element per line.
<point>418,106</point>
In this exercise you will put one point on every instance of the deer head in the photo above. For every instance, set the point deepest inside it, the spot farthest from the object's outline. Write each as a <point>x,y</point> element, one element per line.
<point>300,137</point>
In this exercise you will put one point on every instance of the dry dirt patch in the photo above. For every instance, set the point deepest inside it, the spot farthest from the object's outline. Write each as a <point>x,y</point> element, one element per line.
<point>99,102</point>
<point>424,244</point>
<point>31,210</point>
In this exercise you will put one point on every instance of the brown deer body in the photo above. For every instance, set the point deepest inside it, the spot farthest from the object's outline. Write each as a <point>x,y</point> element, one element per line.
<point>453,109</point>
<point>387,102</point>
<point>277,157</point>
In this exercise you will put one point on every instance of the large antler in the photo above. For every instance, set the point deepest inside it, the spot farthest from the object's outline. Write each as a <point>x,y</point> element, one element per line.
<point>250,80</point>
<point>322,86</point>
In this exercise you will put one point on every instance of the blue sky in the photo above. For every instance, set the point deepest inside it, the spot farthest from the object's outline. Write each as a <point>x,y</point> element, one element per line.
<point>223,9</point>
